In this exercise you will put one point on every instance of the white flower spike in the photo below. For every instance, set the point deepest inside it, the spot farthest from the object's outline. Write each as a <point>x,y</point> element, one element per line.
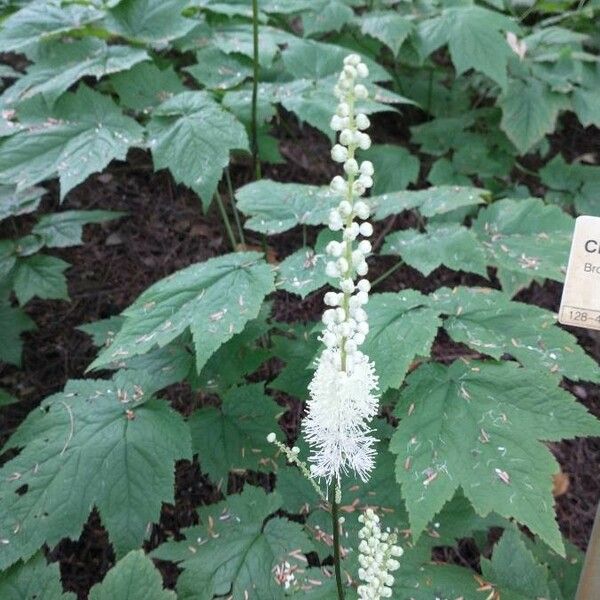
<point>343,391</point>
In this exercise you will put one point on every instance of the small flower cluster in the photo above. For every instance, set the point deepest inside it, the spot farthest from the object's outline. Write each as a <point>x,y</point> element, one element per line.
<point>343,399</point>
<point>376,559</point>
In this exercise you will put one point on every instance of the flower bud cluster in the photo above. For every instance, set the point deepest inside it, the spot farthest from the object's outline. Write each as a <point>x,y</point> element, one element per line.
<point>343,398</point>
<point>345,318</point>
<point>377,558</point>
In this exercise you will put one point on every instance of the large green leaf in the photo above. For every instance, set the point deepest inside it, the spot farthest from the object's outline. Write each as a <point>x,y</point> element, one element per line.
<point>156,22</point>
<point>400,321</point>
<point>43,19</point>
<point>448,244</point>
<point>145,86</point>
<point>395,167</point>
<point>235,551</point>
<point>80,136</point>
<point>276,207</point>
<point>430,202</point>
<point>13,322</point>
<point>14,203</point>
<point>33,580</point>
<point>525,238</point>
<point>234,436</point>
<point>58,66</point>
<point>192,136</point>
<point>529,112</point>
<point>92,445</point>
<point>215,299</point>
<point>476,425</point>
<point>132,578</point>
<point>219,71</point>
<point>474,38</point>
<point>326,16</point>
<point>42,276</point>
<point>514,570</point>
<point>303,271</point>
<point>388,27</point>
<point>489,322</point>
<point>64,229</point>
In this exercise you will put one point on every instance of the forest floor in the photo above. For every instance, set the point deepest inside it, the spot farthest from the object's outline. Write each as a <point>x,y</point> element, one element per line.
<point>165,230</point>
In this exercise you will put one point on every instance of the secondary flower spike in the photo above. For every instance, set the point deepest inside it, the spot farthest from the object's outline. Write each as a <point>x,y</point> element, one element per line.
<point>343,397</point>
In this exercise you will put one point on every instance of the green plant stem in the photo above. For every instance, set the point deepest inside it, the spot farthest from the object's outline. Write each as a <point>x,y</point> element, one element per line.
<point>385,275</point>
<point>335,521</point>
<point>236,212</point>
<point>589,584</point>
<point>253,124</point>
<point>226,220</point>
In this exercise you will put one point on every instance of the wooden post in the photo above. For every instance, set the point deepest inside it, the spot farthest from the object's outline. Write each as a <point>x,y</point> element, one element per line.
<point>589,584</point>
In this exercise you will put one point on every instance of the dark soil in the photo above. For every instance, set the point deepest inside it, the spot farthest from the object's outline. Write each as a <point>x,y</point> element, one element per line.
<point>166,231</point>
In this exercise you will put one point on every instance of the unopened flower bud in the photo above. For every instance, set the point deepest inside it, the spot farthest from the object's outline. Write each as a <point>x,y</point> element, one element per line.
<point>361,92</point>
<point>362,121</point>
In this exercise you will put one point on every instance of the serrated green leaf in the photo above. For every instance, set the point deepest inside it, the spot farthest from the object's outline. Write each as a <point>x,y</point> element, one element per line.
<point>6,399</point>
<point>146,85</point>
<point>13,322</point>
<point>489,322</point>
<point>234,436</point>
<point>326,16</point>
<point>238,357</point>
<point>14,203</point>
<point>586,104</point>
<point>438,136</point>
<point>389,27</point>
<point>64,229</point>
<point>449,244</point>
<point>42,276</point>
<point>470,426</point>
<point>303,271</point>
<point>395,167</point>
<point>238,553</point>
<point>215,299</point>
<point>86,447</point>
<point>513,569</point>
<point>430,202</point>
<point>33,580</point>
<point>43,19</point>
<point>529,112</point>
<point>134,577</point>
<point>527,238</point>
<point>402,322</point>
<point>297,348</point>
<point>156,22</point>
<point>192,136</point>
<point>276,207</point>
<point>103,331</point>
<point>80,136</point>
<point>219,71</point>
<point>58,66</point>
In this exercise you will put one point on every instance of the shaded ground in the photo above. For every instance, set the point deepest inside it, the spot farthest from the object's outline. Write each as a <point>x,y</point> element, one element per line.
<point>165,231</point>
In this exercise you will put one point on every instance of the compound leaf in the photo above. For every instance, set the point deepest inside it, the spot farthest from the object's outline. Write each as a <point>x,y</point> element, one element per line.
<point>276,207</point>
<point>42,276</point>
<point>86,447</point>
<point>60,65</point>
<point>235,552</point>
<point>402,322</point>
<point>33,580</point>
<point>470,425</point>
<point>214,299</point>
<point>449,244</point>
<point>489,322</point>
<point>14,203</point>
<point>42,19</point>
<point>234,436</point>
<point>134,577</point>
<point>389,27</point>
<point>156,22</point>
<point>80,136</point>
<point>192,136</point>
<point>64,229</point>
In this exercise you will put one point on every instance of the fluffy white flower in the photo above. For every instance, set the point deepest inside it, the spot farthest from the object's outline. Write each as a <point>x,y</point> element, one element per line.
<point>340,408</point>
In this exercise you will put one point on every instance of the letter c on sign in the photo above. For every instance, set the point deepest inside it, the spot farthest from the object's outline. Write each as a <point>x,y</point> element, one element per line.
<point>591,246</point>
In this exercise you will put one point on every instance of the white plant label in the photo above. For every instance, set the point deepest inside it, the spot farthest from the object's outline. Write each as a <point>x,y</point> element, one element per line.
<point>580,304</point>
